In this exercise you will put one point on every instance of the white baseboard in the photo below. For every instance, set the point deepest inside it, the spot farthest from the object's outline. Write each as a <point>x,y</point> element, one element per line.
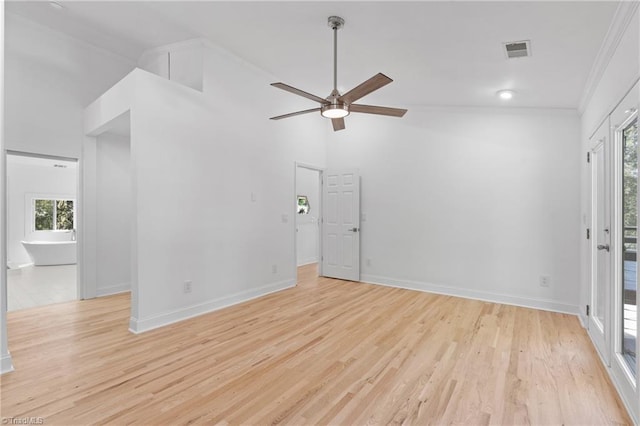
<point>6,364</point>
<point>308,261</point>
<point>16,265</point>
<point>583,321</point>
<point>141,325</point>
<point>630,406</point>
<point>545,305</point>
<point>113,289</point>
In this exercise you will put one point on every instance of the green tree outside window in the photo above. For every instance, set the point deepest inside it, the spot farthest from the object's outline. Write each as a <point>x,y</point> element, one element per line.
<point>51,215</point>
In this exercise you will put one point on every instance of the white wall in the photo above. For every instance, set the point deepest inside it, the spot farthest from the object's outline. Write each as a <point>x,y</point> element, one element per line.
<point>26,181</point>
<point>49,79</point>
<point>181,62</point>
<point>113,210</point>
<point>473,202</point>
<point>6,363</point>
<point>195,164</point>
<point>206,158</point>
<point>307,247</point>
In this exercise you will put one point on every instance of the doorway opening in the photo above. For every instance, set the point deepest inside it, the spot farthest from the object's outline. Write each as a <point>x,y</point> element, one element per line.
<point>308,218</point>
<point>42,254</point>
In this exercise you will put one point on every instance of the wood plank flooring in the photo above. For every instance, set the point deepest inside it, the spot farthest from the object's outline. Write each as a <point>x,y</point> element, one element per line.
<point>325,352</point>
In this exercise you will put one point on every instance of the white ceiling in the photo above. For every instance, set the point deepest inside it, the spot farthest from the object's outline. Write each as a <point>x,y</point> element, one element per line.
<point>438,53</point>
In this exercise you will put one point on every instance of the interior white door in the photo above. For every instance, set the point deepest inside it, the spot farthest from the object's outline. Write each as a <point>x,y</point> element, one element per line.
<point>601,279</point>
<point>341,224</point>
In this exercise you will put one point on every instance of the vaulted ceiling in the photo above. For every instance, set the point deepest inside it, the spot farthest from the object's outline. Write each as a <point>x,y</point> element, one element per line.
<point>438,53</point>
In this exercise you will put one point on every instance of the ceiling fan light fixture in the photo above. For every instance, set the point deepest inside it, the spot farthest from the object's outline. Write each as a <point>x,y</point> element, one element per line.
<point>334,110</point>
<point>337,106</point>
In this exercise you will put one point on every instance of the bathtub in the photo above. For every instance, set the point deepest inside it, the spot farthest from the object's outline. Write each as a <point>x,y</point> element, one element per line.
<point>51,252</point>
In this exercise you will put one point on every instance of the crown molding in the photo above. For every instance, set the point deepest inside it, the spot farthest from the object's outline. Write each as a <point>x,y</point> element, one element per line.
<point>621,19</point>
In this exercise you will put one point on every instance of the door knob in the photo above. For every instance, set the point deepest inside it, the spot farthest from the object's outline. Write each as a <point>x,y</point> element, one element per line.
<point>354,229</point>
<point>603,247</point>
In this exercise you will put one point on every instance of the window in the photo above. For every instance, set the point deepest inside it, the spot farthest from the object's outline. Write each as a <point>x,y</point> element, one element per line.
<point>629,242</point>
<point>52,215</point>
<point>303,204</point>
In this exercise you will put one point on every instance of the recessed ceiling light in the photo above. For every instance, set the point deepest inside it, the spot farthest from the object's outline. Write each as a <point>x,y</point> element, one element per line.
<point>56,5</point>
<point>505,94</point>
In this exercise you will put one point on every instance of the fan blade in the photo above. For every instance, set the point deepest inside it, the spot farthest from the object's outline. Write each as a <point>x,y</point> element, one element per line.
<point>338,124</point>
<point>371,109</point>
<point>292,114</point>
<point>300,92</point>
<point>374,83</point>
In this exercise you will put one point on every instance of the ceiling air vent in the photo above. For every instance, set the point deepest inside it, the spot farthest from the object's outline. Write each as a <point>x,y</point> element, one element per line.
<point>517,49</point>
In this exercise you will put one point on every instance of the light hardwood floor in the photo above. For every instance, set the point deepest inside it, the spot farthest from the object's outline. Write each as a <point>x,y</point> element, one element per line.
<point>326,352</point>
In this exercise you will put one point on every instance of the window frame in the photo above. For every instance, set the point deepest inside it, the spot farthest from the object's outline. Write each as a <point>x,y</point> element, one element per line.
<point>55,199</point>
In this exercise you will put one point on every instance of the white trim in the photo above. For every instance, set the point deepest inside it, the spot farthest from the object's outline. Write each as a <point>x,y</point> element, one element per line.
<point>619,385</point>
<point>138,326</point>
<point>621,20</point>
<point>528,302</point>
<point>6,365</point>
<point>308,261</point>
<point>113,289</point>
<point>16,267</point>
<point>583,322</point>
<point>320,170</point>
<point>86,236</point>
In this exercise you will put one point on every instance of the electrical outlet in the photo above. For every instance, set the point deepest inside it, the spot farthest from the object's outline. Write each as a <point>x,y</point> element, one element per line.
<point>187,287</point>
<point>285,218</point>
<point>545,280</point>
<point>368,262</point>
<point>274,269</point>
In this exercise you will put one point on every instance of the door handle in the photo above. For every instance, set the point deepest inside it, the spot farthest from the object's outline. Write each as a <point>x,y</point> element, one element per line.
<point>603,247</point>
<point>354,229</point>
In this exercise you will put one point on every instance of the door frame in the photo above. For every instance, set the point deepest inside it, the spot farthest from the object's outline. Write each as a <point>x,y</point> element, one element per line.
<point>320,171</point>
<point>601,340</point>
<point>77,219</point>
<point>618,371</point>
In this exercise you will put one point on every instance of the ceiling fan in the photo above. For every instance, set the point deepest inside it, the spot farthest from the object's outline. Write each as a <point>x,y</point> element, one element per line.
<point>337,106</point>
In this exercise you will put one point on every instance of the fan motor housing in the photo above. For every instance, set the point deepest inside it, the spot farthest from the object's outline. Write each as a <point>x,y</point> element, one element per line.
<point>335,22</point>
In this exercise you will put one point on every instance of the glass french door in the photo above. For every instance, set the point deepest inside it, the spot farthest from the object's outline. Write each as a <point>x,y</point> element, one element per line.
<point>613,314</point>
<point>627,140</point>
